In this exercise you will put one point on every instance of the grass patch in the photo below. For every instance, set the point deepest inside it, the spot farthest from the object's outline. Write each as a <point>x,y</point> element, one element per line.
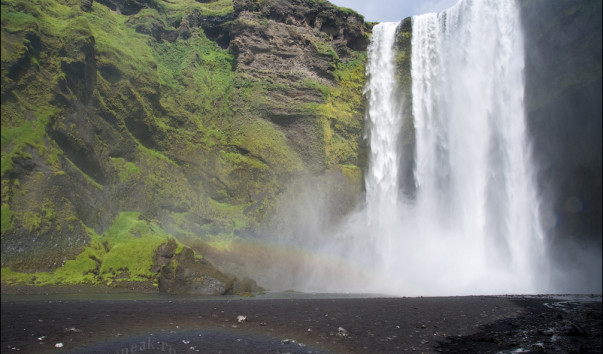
<point>132,242</point>
<point>126,170</point>
<point>122,253</point>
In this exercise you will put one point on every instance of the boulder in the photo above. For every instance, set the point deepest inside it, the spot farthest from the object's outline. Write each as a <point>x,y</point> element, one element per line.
<point>186,273</point>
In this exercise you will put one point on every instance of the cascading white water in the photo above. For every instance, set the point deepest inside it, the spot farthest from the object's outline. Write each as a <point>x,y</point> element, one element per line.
<point>473,225</point>
<point>384,109</point>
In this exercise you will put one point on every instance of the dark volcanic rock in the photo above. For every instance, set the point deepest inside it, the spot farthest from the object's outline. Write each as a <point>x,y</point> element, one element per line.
<point>187,274</point>
<point>86,5</point>
<point>127,7</point>
<point>292,38</point>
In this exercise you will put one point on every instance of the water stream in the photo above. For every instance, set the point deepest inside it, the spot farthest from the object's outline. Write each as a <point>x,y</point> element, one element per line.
<point>473,224</point>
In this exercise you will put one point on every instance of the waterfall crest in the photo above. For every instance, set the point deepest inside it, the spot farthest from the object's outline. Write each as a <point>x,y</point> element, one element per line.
<point>474,224</point>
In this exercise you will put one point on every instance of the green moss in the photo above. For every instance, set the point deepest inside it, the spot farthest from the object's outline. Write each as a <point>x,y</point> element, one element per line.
<point>200,75</point>
<point>211,8</point>
<point>123,253</point>
<point>261,139</point>
<point>154,154</point>
<point>7,218</point>
<point>325,48</point>
<point>229,219</point>
<point>243,161</point>
<point>352,173</point>
<point>17,21</point>
<point>80,270</point>
<point>120,45</point>
<point>24,133</point>
<point>341,114</point>
<point>11,277</point>
<point>132,242</point>
<point>126,170</point>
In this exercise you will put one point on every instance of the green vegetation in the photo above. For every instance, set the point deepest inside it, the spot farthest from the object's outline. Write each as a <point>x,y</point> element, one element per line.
<point>123,253</point>
<point>7,218</point>
<point>107,117</point>
<point>30,133</point>
<point>325,48</point>
<point>131,243</point>
<point>340,115</point>
<point>126,170</point>
<point>197,77</point>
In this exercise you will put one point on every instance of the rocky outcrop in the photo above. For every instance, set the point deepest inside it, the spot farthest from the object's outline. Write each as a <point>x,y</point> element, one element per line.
<point>187,273</point>
<point>288,47</point>
<point>184,274</point>
<point>129,7</point>
<point>290,40</point>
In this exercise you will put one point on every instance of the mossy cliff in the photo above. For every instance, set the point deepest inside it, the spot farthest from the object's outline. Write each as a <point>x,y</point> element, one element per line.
<point>179,120</point>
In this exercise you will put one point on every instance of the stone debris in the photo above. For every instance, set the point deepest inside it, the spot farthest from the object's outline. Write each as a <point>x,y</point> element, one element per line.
<point>241,318</point>
<point>292,341</point>
<point>58,345</point>
<point>342,332</point>
<point>71,330</point>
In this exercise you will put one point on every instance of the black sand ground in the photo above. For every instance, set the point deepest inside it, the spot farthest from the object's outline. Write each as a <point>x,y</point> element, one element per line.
<point>300,324</point>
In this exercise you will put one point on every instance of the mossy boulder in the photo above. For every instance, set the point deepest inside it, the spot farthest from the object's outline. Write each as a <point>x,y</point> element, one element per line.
<point>188,273</point>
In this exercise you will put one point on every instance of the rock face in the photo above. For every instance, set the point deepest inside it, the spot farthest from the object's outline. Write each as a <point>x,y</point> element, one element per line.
<point>563,102</point>
<point>291,40</point>
<point>196,115</point>
<point>290,44</point>
<point>563,96</point>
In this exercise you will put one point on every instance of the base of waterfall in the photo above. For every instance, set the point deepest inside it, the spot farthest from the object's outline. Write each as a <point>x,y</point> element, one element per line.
<point>301,323</point>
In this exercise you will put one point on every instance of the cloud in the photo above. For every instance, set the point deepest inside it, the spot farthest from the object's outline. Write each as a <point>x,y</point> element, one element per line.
<point>393,11</point>
<point>435,6</point>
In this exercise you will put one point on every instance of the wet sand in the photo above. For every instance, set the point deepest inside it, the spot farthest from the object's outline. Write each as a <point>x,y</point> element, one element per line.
<point>298,323</point>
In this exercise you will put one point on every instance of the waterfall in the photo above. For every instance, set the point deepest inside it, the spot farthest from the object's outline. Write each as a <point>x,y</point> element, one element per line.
<point>473,225</point>
<point>384,110</point>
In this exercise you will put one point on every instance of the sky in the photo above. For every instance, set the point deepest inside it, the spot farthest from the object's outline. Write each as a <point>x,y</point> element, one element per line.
<point>393,10</point>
